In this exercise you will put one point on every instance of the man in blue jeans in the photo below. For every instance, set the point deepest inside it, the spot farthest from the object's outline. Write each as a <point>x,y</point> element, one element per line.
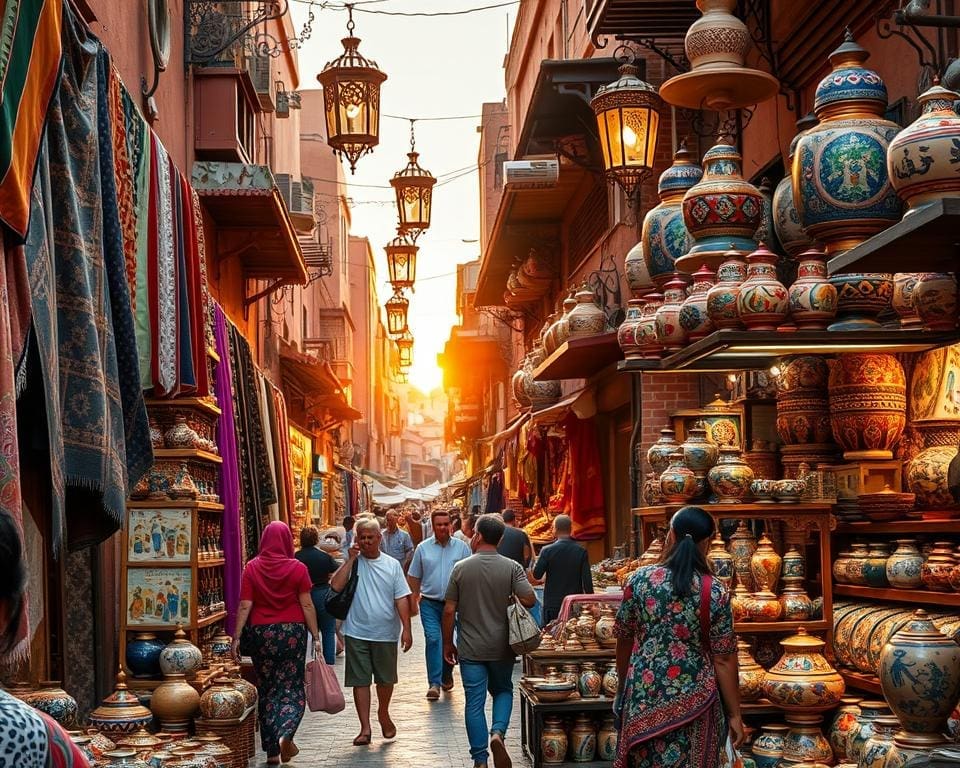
<point>428,577</point>
<point>481,587</point>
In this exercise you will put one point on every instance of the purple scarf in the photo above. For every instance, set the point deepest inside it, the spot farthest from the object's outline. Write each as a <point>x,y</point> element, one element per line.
<point>229,473</point>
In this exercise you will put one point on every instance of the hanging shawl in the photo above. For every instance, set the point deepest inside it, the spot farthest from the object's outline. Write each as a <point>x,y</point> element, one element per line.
<point>162,274</point>
<point>587,509</point>
<point>186,379</point>
<point>195,283</point>
<point>123,172</point>
<point>229,474</point>
<point>283,427</point>
<point>274,511</point>
<point>30,53</point>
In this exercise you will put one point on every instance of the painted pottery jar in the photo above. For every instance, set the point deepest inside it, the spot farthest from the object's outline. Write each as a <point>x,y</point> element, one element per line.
<point>699,453</point>
<point>740,603</point>
<point>794,564</point>
<point>731,477</point>
<point>768,746</point>
<point>664,237</point>
<point>803,415</point>
<point>742,546</point>
<point>627,332</point>
<point>553,740</point>
<point>797,605</point>
<point>840,182</point>
<point>541,393</point>
<point>180,656</point>
<point>677,483</point>
<point>586,627</point>
<point>721,561</point>
<point>181,434</point>
<point>658,456</point>
<point>762,491</point>
<point>718,38</point>
<point>875,566</point>
<point>904,284</point>
<point>869,712</point>
<point>935,300</point>
<point>156,434</point>
<point>805,741</point>
<point>786,220</point>
<point>762,302</point>
<point>904,566</point>
<point>920,675</point>
<point>921,159</point>
<point>603,630</point>
<point>590,681</point>
<point>812,297</point>
<point>121,712</point>
<point>861,296</point>
<point>221,701</point>
<point>583,740</point>
<point>751,674</point>
<point>517,386</point>
<point>927,477</point>
<point>143,655</point>
<point>585,319</point>
<point>803,373</point>
<point>765,565</point>
<point>722,211</point>
<point>636,271</point>
<point>844,721</point>
<point>547,337</point>
<point>839,568</point>
<point>607,740</point>
<point>874,753</point>
<point>174,702</point>
<point>803,679</point>
<point>610,681</point>
<point>562,329</point>
<point>648,346</point>
<point>937,568</point>
<point>670,334</point>
<point>248,689</point>
<point>693,312</point>
<point>722,297</point>
<point>859,552</point>
<point>764,606</point>
<point>908,746</point>
<point>789,490</point>
<point>868,400</point>
<point>52,700</point>
<point>220,646</point>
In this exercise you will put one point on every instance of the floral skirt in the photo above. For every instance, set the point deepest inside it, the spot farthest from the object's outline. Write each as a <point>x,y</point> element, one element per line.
<point>278,652</point>
<point>697,743</point>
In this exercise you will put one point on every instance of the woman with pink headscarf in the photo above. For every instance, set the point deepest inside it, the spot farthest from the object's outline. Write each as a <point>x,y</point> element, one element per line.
<point>275,603</point>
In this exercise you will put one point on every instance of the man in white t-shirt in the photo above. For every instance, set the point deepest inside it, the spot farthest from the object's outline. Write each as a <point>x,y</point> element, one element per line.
<point>379,615</point>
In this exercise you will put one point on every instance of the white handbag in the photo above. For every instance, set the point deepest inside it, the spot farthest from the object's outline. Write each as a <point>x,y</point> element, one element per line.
<point>524,633</point>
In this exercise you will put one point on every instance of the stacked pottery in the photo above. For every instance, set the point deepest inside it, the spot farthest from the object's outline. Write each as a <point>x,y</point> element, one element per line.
<point>904,284</point>
<point>843,723</point>
<point>678,484</point>
<point>868,400</point>
<point>935,300</point>
<point>658,455</point>
<point>720,561</point>
<point>693,312</point>
<point>627,332</point>
<point>670,334</point>
<point>586,318</point>
<point>664,237</point>
<point>722,297</point>
<point>765,565</point>
<point>870,711</point>
<point>786,220</point>
<point>742,546</point>
<point>121,712</point>
<point>904,566</point>
<point>750,674</point>
<point>812,298</point>
<point>731,477</point>
<point>803,406</point>
<point>762,302</point>
<point>768,746</point>
<point>803,680</point>
<point>52,700</point>
<point>805,742</point>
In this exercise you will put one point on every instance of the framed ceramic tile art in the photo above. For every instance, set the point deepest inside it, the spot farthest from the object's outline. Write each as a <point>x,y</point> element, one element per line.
<point>158,596</point>
<point>159,535</point>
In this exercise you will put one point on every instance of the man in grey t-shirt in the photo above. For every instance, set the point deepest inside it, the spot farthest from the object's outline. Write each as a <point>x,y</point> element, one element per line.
<point>480,589</point>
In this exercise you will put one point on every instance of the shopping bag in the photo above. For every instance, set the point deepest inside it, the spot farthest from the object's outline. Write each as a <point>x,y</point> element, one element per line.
<point>524,633</point>
<point>730,756</point>
<point>338,604</point>
<point>323,689</point>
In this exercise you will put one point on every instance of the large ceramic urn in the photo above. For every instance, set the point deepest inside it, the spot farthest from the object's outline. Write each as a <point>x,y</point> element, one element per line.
<point>658,455</point>
<point>750,674</point>
<point>174,702</point>
<point>664,237</point>
<point>868,401</point>
<point>840,182</point>
<point>803,680</point>
<point>803,410</point>
<point>730,478</point>
<point>722,212</point>
<point>786,220</point>
<point>922,158</point>
<point>586,318</point>
<point>121,712</point>
<point>920,675</point>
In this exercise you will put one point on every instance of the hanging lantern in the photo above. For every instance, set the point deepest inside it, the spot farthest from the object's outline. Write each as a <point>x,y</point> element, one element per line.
<point>628,119</point>
<point>405,349</point>
<point>397,307</point>
<point>351,100</point>
<point>413,186</point>
<point>402,262</point>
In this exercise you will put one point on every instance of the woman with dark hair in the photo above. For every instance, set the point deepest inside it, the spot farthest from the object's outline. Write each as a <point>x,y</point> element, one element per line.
<point>28,738</point>
<point>320,564</point>
<point>676,657</point>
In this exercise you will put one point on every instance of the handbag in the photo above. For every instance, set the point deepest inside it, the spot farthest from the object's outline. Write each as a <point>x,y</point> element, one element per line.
<point>322,687</point>
<point>524,633</point>
<point>337,604</point>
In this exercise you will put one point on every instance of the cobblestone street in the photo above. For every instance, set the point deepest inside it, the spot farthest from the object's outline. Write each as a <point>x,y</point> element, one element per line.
<point>430,734</point>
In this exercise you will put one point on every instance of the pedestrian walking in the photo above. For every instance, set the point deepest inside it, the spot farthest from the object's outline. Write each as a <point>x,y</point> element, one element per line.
<point>379,616</point>
<point>481,587</point>
<point>348,523</point>
<point>678,695</point>
<point>465,534</point>
<point>275,602</point>
<point>320,564</point>
<point>395,541</point>
<point>429,575</point>
<point>515,543</point>
<point>566,567</point>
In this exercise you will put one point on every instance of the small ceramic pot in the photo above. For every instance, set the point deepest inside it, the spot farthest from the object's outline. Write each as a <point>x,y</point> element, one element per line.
<point>794,564</point>
<point>869,712</point>
<point>658,455</point>
<point>938,567</point>
<point>180,656</point>
<point>844,721</point>
<point>764,607</point>
<point>904,284</point>
<point>805,742</point>
<point>722,297</point>
<point>788,490</point>
<point>742,546</point>
<point>935,300</point>
<point>796,603</point>
<point>699,453</point>
<point>875,566</point>
<point>878,746</point>
<point>762,491</point>
<point>765,565</point>
<point>553,740</point>
<point>610,682</point>
<point>607,740</point>
<point>858,559</point>
<point>586,318</point>
<point>670,334</point>
<point>751,674</point>
<point>721,561</point>
<point>677,483</point>
<point>590,681</point>
<point>693,312</point>
<point>740,603</point>
<point>627,332</point>
<point>143,655</point>
<point>221,701</point>
<point>762,302</point>
<point>812,298</point>
<point>768,746</point>
<point>583,740</point>
<point>648,346</point>
<point>904,567</point>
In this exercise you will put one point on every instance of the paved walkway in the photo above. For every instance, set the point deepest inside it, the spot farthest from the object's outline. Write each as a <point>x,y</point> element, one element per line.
<point>430,734</point>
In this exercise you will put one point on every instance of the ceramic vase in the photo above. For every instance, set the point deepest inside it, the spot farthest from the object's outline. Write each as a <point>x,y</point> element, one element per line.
<point>751,674</point>
<point>927,477</point>
<point>868,398</point>
<point>762,302</point>
<point>765,565</point>
<point>220,646</point>
<point>875,566</point>
<point>876,748</point>
<point>693,312</point>
<point>935,300</point>
<point>562,331</point>
<point>764,606</point>
<point>803,409</point>
<point>627,332</point>
<point>52,700</point>
<point>796,603</point>
<point>803,680</point>
<point>937,569</point>
<point>583,740</point>
<point>221,701</point>
<point>517,385</point>
<point>921,159</point>
<point>840,182</point>
<point>861,296</point>
<point>730,478</point>
<point>768,746</point>
<point>839,568</point>
<point>904,567</point>
<point>607,740</point>
<point>844,721</point>
<point>174,702</point>
<point>541,393</point>
<point>585,319</point>
<point>610,681</point>
<point>794,565</point>
<point>722,308</point>
<point>121,712</point>
<point>740,603</point>
<point>658,456</point>
<point>721,561</point>
<point>590,681</point>
<point>670,334</point>
<point>180,656</point>
<point>181,435</point>
<point>664,237</point>
<point>553,740</point>
<point>648,345</point>
<point>699,453</point>
<point>636,271</point>
<point>920,675</point>
<point>859,552</point>
<point>904,284</point>
<point>677,483</point>
<point>603,630</point>
<point>805,742</point>
<point>722,211</point>
<point>786,220</point>
<point>742,546</point>
<point>812,297</point>
<point>863,730</point>
<point>248,689</point>
<point>143,655</point>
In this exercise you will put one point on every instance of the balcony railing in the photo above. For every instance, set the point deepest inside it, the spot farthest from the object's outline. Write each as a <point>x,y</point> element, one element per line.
<point>227,32</point>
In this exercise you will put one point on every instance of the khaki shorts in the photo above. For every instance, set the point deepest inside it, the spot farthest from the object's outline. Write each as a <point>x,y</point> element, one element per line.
<point>368,659</point>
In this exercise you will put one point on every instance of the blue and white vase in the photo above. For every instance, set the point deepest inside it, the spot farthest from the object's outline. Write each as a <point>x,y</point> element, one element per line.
<point>180,657</point>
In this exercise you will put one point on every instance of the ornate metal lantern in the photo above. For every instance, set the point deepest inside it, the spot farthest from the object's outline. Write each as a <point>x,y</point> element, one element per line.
<point>396,308</point>
<point>628,120</point>
<point>413,186</point>
<point>402,262</point>
<point>405,349</point>
<point>351,100</point>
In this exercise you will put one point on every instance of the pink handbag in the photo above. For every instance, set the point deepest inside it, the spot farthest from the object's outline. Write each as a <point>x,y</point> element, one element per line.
<point>323,688</point>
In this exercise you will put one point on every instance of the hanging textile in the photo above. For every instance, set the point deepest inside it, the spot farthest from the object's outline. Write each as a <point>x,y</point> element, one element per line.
<point>162,274</point>
<point>30,53</point>
<point>140,145</point>
<point>275,510</point>
<point>229,474</point>
<point>285,468</point>
<point>186,382</point>
<point>495,496</point>
<point>196,286</point>
<point>586,485</point>
<point>123,172</point>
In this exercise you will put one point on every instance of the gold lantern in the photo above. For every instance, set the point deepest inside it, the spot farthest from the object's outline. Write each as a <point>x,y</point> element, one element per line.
<point>405,349</point>
<point>396,307</point>
<point>351,100</point>
<point>628,120</point>
<point>402,262</point>
<point>413,186</point>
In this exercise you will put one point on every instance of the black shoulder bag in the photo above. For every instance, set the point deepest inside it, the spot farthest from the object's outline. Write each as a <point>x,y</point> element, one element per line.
<point>338,603</point>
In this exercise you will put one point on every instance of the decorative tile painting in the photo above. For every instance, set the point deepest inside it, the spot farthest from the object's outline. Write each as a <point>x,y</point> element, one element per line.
<point>158,596</point>
<point>159,535</point>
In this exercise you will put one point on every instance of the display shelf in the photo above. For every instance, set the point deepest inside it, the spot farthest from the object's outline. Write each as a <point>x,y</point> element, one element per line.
<point>861,681</point>
<point>745,511</point>
<point>759,707</point>
<point>198,403</point>
<point>767,627</point>
<point>213,618</point>
<point>603,653</point>
<point>922,596</point>
<point>580,358</point>
<point>186,453</point>
<point>218,563</point>
<point>207,506</point>
<point>901,526</point>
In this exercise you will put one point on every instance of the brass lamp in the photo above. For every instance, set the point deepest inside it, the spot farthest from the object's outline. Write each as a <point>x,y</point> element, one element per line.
<point>351,100</point>
<point>628,120</point>
<point>405,349</point>
<point>401,262</point>
<point>413,186</point>
<point>396,307</point>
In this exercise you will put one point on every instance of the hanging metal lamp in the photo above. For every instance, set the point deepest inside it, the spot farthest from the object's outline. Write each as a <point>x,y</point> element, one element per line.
<point>397,306</point>
<point>402,262</point>
<point>405,349</point>
<point>413,186</point>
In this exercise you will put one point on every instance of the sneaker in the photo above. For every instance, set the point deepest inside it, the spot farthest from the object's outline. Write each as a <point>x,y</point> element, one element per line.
<point>433,693</point>
<point>501,758</point>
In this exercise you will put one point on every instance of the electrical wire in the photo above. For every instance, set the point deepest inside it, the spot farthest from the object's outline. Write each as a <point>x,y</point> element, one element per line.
<point>358,7</point>
<point>434,119</point>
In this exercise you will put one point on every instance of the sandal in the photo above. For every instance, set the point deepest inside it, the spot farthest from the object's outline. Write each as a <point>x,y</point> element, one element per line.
<point>363,740</point>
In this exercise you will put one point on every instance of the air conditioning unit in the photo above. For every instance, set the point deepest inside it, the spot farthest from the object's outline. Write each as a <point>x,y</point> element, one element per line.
<point>531,174</point>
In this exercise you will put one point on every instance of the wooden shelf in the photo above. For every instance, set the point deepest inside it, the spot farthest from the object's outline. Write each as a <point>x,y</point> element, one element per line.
<point>604,653</point>
<point>759,707</point>
<point>186,453</point>
<point>600,704</point>
<point>767,627</point>
<point>580,358</point>
<point>861,681</point>
<point>213,618</point>
<point>199,403</point>
<point>209,506</point>
<point>211,563</point>
<point>922,596</point>
<point>747,511</point>
<point>900,526</point>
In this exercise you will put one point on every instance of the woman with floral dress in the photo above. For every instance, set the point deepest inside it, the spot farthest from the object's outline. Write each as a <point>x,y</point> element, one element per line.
<point>676,657</point>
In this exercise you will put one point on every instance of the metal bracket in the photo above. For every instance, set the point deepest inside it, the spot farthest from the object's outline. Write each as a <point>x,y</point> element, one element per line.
<point>604,282</point>
<point>912,18</point>
<point>678,61</point>
<point>210,29</point>
<point>250,300</point>
<point>158,20</point>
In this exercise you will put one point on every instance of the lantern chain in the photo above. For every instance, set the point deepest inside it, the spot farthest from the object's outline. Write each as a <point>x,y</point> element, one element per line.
<point>350,23</point>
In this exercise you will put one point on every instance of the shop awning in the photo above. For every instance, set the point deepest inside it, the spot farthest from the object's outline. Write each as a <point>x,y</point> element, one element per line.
<point>580,358</point>
<point>663,20</point>
<point>321,389</point>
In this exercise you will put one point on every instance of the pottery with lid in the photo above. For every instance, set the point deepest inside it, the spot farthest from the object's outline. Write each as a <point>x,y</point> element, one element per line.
<point>803,680</point>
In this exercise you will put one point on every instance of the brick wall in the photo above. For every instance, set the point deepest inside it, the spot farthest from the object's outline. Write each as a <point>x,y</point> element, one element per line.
<point>663,394</point>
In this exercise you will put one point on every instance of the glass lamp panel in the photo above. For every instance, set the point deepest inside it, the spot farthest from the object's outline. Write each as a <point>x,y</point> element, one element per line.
<point>614,143</point>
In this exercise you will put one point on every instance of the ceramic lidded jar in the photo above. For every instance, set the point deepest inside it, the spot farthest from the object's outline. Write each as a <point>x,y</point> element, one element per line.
<point>720,560</point>
<point>797,605</point>
<point>648,346</point>
<point>805,742</point>
<point>722,297</point>
<point>121,712</point>
<point>627,332</point>
<point>553,740</point>
<point>794,564</point>
<point>937,569</point>
<point>678,484</point>
<point>750,674</point>
<point>768,746</point>
<point>868,404</point>
<point>920,675</point>
<point>935,300</point>
<point>813,298</point>
<point>840,182</point>
<point>699,453</point>
<point>664,237</point>
<point>742,546</point>
<point>52,700</point>
<point>143,655</point>
<point>844,721</point>
<point>762,302</point>
<point>693,312</point>
<point>765,565</point>
<point>863,730</point>
<point>722,211</point>
<point>904,567</point>
<point>786,220</point>
<point>670,333</point>
<point>222,701</point>
<point>730,478</point>
<point>585,319</point>
<point>180,656</point>
<point>740,603</point>
<point>658,455</point>
<point>803,680</point>
<point>921,159</point>
<point>904,284</point>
